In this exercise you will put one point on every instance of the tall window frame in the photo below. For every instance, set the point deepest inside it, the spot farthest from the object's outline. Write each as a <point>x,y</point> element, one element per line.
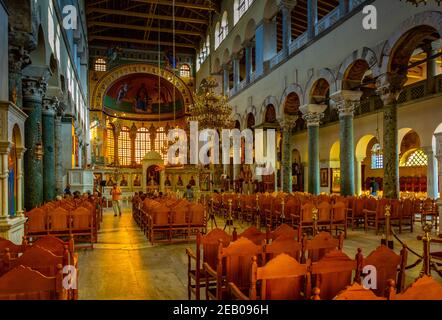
<point>142,144</point>
<point>377,158</point>
<point>160,142</point>
<point>124,147</point>
<point>100,65</point>
<point>110,141</point>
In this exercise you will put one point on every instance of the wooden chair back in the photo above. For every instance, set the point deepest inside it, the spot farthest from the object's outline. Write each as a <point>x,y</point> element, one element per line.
<point>320,245</point>
<point>287,246</point>
<point>307,212</point>
<point>357,292</point>
<point>332,274</point>
<point>23,283</point>
<point>37,220</point>
<point>38,259</point>
<point>81,219</point>
<point>282,278</point>
<point>324,212</point>
<point>58,219</point>
<point>253,234</point>
<point>197,214</point>
<point>209,244</point>
<point>424,288</point>
<point>178,215</point>
<point>284,231</point>
<point>339,212</point>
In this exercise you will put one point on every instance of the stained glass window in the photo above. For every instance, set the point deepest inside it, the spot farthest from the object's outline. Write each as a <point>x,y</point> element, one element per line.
<point>414,158</point>
<point>185,71</point>
<point>142,144</point>
<point>100,65</point>
<point>110,144</point>
<point>377,159</point>
<point>124,147</point>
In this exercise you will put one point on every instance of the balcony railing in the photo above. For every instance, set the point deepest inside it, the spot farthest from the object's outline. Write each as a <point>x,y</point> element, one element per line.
<point>326,22</point>
<point>298,42</point>
<point>355,3</point>
<point>277,59</point>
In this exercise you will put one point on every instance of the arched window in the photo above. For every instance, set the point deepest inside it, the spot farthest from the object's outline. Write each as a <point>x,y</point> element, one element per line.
<point>110,144</point>
<point>124,147</point>
<point>377,159</point>
<point>184,71</point>
<point>161,142</point>
<point>100,65</point>
<point>142,144</point>
<point>207,47</point>
<point>414,158</point>
<point>223,30</point>
<point>240,7</point>
<point>217,42</point>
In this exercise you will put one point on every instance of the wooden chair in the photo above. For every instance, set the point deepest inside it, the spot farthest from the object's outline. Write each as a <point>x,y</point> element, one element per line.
<point>424,288</point>
<point>339,218</point>
<point>430,209</point>
<point>58,222</point>
<point>284,231</point>
<point>197,218</point>
<point>356,215</point>
<point>207,247</point>
<point>251,233</point>
<point>406,215</point>
<point>324,216</point>
<point>282,245</point>
<point>389,265</point>
<point>36,224</point>
<point>357,292</point>
<point>179,224</point>
<point>234,265</point>
<point>282,278</point>
<point>374,218</point>
<point>320,245</point>
<point>304,220</point>
<point>82,225</point>
<point>23,283</point>
<point>332,274</point>
<point>12,249</point>
<point>159,224</point>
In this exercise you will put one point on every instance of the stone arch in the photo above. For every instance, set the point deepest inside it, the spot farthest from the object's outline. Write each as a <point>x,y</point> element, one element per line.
<point>325,74</point>
<point>318,92</point>
<point>365,54</point>
<point>250,120</point>
<point>270,100</point>
<point>270,9</point>
<point>361,146</point>
<point>249,32</point>
<point>334,156</point>
<point>16,135</point>
<point>237,45</point>
<point>293,89</point>
<point>427,19</point>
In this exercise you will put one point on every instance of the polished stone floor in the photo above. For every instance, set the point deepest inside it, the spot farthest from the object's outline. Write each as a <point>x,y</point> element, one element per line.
<point>124,266</point>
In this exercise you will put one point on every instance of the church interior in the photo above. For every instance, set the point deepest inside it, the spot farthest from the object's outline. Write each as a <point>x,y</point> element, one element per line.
<point>220,150</point>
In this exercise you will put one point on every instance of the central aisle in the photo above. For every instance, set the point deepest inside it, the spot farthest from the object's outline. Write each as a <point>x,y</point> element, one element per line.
<point>124,266</point>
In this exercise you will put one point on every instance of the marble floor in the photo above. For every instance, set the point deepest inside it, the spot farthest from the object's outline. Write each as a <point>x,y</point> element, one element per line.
<point>124,266</point>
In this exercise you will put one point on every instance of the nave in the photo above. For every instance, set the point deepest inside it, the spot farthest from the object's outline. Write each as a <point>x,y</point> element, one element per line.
<point>124,266</point>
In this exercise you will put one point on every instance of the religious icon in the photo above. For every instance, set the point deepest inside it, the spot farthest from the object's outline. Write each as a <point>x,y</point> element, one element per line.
<point>180,181</point>
<point>192,181</point>
<point>167,183</point>
<point>123,182</point>
<point>142,98</point>
<point>122,93</point>
<point>137,182</point>
<point>324,178</point>
<point>110,181</point>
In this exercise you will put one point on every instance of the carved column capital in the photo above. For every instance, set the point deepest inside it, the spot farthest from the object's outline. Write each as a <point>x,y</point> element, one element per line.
<point>50,106</point>
<point>346,101</point>
<point>288,122</point>
<point>389,87</point>
<point>34,88</point>
<point>313,113</point>
<point>287,4</point>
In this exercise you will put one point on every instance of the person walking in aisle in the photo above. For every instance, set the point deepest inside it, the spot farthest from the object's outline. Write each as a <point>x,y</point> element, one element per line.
<point>116,197</point>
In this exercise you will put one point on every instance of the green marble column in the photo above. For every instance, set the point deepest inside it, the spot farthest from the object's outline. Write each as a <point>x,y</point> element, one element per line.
<point>346,102</point>
<point>58,155</point>
<point>49,107</point>
<point>33,91</point>
<point>312,114</point>
<point>389,87</point>
<point>287,125</point>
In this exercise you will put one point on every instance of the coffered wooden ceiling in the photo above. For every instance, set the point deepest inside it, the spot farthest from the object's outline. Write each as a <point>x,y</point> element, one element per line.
<point>145,23</point>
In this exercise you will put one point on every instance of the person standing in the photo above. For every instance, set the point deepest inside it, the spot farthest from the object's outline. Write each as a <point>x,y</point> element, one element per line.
<point>189,193</point>
<point>116,197</point>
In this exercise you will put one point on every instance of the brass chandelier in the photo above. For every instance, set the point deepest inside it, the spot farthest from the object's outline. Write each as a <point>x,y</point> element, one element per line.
<point>209,109</point>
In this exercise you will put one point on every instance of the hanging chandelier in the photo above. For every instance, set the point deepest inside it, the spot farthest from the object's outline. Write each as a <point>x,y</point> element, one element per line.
<point>211,110</point>
<point>424,2</point>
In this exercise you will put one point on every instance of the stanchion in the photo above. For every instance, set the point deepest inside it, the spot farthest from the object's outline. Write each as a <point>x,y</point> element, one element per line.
<point>258,220</point>
<point>229,219</point>
<point>387,241</point>
<point>282,211</point>
<point>212,215</point>
<point>426,266</point>
<point>315,221</point>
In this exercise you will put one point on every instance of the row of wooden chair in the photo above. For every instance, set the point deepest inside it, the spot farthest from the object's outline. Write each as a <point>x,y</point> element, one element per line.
<point>63,219</point>
<point>38,271</point>
<point>281,240</point>
<point>170,220</point>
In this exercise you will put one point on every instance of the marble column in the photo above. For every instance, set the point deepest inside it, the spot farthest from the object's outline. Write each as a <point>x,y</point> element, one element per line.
<point>432,182</point>
<point>431,66</point>
<point>358,176</point>
<point>48,115</point>
<point>5,148</point>
<point>58,153</point>
<point>33,91</point>
<point>287,124</point>
<point>312,114</point>
<point>236,58</point>
<point>20,153</point>
<point>249,60</point>
<point>226,79</point>
<point>312,17</point>
<point>345,102</point>
<point>389,87</point>
<point>438,137</point>
<point>286,26</point>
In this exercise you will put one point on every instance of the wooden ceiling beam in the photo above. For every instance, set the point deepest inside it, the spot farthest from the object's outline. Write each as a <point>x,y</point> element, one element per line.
<point>186,5</point>
<point>139,41</point>
<point>141,28</point>
<point>144,15</point>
